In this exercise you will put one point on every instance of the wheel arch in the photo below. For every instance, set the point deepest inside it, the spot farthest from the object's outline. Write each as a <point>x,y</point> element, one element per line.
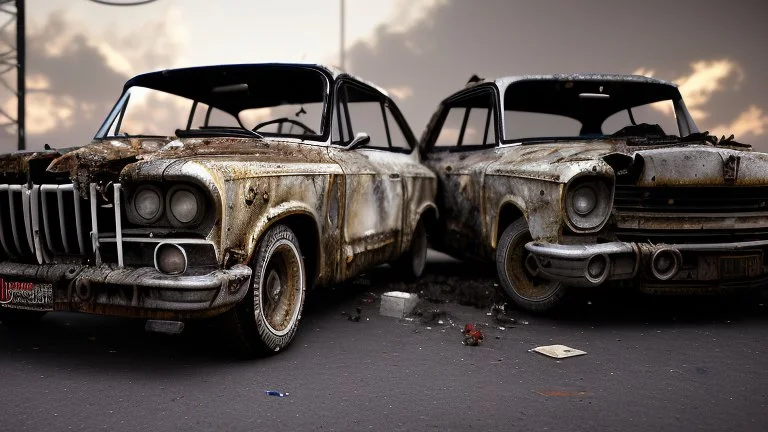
<point>510,210</point>
<point>303,222</point>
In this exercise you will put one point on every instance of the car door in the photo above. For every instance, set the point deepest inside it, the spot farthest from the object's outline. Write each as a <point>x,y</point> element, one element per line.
<point>373,205</point>
<point>459,148</point>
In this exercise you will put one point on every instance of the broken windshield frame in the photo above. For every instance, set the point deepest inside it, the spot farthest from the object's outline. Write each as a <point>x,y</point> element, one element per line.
<point>559,110</point>
<point>210,101</point>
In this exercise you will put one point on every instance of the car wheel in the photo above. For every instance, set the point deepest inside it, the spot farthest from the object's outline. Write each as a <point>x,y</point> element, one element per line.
<point>19,318</point>
<point>411,264</point>
<point>267,318</point>
<point>527,290</point>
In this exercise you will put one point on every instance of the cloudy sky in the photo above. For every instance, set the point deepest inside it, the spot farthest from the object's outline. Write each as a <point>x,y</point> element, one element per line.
<point>80,53</point>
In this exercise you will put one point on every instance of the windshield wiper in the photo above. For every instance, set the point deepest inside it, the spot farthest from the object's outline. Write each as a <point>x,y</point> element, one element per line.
<point>217,132</point>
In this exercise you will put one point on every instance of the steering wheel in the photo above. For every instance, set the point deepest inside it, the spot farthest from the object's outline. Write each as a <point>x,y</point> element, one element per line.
<point>283,120</point>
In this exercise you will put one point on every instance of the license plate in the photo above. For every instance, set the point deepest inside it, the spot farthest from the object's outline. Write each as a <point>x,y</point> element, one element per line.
<point>26,295</point>
<point>732,267</point>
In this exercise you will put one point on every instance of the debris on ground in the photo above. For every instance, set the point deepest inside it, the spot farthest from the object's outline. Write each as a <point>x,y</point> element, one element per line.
<point>472,335</point>
<point>368,298</point>
<point>501,318</point>
<point>430,316</point>
<point>397,304</point>
<point>354,317</point>
<point>276,393</point>
<point>558,351</point>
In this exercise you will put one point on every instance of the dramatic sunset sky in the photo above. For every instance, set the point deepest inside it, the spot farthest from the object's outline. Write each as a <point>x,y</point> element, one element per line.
<point>80,53</point>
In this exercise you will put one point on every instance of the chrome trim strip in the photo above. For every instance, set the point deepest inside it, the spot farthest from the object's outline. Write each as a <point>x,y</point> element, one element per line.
<point>118,225</point>
<point>62,221</point>
<point>158,240</point>
<point>44,189</point>
<point>35,220</point>
<point>719,247</point>
<point>4,188</point>
<point>581,252</point>
<point>578,252</point>
<point>12,206</point>
<point>95,224</point>
<point>25,197</point>
<point>78,220</point>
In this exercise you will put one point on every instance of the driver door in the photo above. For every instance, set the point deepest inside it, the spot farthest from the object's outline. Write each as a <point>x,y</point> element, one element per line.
<point>373,210</point>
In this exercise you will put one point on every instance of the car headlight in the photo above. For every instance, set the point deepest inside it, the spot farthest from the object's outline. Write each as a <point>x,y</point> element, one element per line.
<point>148,203</point>
<point>185,205</point>
<point>588,203</point>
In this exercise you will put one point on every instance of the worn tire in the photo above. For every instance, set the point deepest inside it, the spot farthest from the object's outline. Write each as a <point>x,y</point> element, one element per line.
<point>266,320</point>
<point>410,266</point>
<point>527,291</point>
<point>20,318</point>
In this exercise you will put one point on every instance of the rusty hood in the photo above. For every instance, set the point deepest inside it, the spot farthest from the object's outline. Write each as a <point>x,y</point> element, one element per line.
<point>104,160</point>
<point>659,165</point>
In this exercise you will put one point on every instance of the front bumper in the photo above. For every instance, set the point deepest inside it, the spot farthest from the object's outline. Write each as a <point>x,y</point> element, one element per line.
<point>135,292</point>
<point>724,265</point>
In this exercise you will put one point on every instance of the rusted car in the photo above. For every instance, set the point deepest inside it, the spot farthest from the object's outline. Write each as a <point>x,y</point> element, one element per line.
<point>569,181</point>
<point>216,190</point>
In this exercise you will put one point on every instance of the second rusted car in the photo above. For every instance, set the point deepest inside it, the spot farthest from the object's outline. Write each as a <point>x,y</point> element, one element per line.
<point>583,180</point>
<point>216,190</point>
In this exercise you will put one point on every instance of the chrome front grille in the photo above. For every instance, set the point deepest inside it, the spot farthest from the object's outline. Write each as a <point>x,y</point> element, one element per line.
<point>690,214</point>
<point>691,199</point>
<point>53,223</point>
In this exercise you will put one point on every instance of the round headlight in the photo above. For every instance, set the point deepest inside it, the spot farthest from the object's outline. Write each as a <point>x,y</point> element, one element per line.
<point>184,205</point>
<point>170,258</point>
<point>588,202</point>
<point>148,203</point>
<point>583,200</point>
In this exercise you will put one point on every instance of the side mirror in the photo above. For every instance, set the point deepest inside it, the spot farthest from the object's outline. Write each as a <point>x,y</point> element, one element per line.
<point>360,140</point>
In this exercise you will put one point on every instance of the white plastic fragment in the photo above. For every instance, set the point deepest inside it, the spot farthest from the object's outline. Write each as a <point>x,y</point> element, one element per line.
<point>558,351</point>
<point>397,304</point>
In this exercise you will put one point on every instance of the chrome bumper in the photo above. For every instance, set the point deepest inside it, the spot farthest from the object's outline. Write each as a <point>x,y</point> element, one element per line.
<point>594,264</point>
<point>136,292</point>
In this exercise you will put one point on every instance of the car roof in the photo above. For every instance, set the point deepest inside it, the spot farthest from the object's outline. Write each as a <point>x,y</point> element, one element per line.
<point>332,72</point>
<point>505,81</point>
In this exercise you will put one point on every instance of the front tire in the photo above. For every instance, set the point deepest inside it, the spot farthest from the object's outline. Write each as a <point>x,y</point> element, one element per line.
<point>267,318</point>
<point>527,290</point>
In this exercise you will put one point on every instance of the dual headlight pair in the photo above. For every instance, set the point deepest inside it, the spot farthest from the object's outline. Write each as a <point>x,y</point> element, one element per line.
<point>183,205</point>
<point>588,202</point>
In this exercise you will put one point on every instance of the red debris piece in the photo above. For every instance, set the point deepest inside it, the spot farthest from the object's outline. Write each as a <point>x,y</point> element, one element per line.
<point>472,335</point>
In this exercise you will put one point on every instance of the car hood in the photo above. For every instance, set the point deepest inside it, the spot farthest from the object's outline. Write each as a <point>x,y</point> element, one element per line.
<point>105,160</point>
<point>660,165</point>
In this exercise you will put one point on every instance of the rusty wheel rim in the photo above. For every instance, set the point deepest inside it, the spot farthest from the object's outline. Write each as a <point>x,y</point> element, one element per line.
<point>281,288</point>
<point>525,284</point>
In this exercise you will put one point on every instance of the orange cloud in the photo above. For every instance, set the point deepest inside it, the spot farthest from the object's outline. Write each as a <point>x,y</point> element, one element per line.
<point>752,122</point>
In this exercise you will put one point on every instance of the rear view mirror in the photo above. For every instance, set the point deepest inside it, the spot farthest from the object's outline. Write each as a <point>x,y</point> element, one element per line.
<point>361,139</point>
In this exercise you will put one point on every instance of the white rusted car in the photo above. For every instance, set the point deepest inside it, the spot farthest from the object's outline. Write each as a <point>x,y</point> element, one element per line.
<point>570,181</point>
<point>216,190</point>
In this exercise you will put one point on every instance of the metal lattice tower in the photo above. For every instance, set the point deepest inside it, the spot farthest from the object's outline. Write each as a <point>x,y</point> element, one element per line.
<point>12,59</point>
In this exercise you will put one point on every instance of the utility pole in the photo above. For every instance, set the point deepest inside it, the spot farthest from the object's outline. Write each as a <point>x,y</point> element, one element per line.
<point>21,84</point>
<point>341,47</point>
<point>12,61</point>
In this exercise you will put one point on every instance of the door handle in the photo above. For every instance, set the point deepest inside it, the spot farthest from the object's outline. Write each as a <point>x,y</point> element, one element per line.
<point>394,176</point>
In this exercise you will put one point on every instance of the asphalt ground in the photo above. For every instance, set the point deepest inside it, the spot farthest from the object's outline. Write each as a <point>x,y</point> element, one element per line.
<point>652,363</point>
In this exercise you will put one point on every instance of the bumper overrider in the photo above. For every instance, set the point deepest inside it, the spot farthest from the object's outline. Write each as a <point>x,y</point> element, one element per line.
<point>714,265</point>
<point>141,292</point>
